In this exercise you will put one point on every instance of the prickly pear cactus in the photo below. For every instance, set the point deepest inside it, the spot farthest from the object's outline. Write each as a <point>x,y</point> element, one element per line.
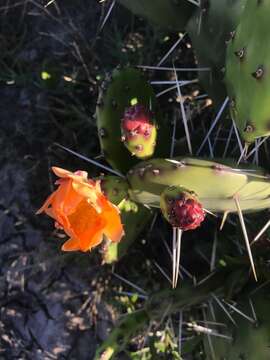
<point>125,89</point>
<point>209,29</point>
<point>171,14</point>
<point>215,184</point>
<point>247,67</point>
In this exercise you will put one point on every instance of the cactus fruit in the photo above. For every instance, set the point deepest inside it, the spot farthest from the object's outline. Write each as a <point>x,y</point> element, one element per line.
<point>125,88</point>
<point>247,66</point>
<point>212,24</point>
<point>181,208</point>
<point>169,14</point>
<point>216,185</point>
<point>139,131</point>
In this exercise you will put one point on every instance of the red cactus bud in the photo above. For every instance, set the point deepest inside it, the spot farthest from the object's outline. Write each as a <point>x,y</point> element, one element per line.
<point>137,121</point>
<point>182,208</point>
<point>186,214</point>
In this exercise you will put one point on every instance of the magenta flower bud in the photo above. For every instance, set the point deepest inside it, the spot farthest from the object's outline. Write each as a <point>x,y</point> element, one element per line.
<point>139,131</point>
<point>137,121</point>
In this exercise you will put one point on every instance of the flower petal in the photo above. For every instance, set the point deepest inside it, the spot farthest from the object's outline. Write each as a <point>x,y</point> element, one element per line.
<point>114,228</point>
<point>71,245</point>
<point>85,189</point>
<point>62,173</point>
<point>85,224</point>
<point>81,209</point>
<point>74,244</point>
<point>96,239</point>
<point>79,175</point>
<point>67,197</point>
<point>47,203</point>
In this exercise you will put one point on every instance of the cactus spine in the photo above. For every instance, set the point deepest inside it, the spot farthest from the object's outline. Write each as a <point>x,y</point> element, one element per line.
<point>166,301</point>
<point>250,338</point>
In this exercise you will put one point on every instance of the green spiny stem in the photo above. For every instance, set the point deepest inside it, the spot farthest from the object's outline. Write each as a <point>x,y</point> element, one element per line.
<point>188,295</point>
<point>167,302</point>
<point>215,184</point>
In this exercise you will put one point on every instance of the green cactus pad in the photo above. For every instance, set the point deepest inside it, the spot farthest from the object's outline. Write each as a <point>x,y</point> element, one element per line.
<point>247,70</point>
<point>169,14</point>
<point>125,87</point>
<point>215,184</point>
<point>115,188</point>
<point>209,29</point>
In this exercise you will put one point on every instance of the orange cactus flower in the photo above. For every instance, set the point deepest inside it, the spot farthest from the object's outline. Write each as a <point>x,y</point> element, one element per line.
<point>82,211</point>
